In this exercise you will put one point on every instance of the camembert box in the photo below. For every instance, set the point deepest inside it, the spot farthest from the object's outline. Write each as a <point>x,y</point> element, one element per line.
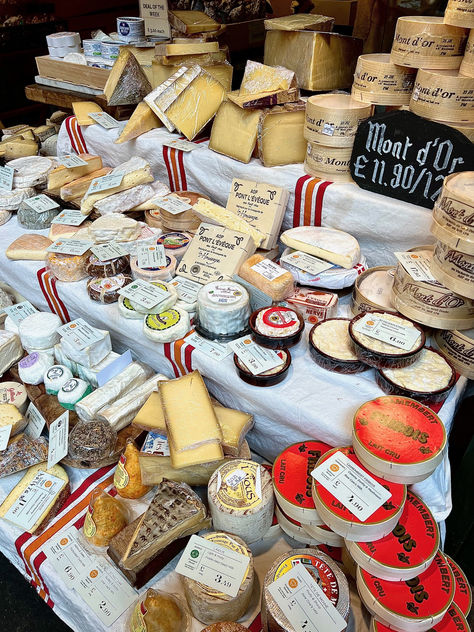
<point>454,211</point>
<point>454,269</point>
<point>458,347</point>
<point>463,592</point>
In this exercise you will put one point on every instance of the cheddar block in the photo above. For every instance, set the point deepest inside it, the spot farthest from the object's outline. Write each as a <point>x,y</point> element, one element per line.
<point>268,277</point>
<point>192,48</point>
<point>208,211</point>
<point>11,416</point>
<point>62,175</point>
<point>78,188</point>
<point>221,71</point>
<point>300,22</point>
<point>192,22</point>
<point>280,135</point>
<point>151,415</point>
<point>259,78</point>
<point>127,82</point>
<point>142,120</point>
<point>234,131</point>
<point>82,109</point>
<point>234,425</point>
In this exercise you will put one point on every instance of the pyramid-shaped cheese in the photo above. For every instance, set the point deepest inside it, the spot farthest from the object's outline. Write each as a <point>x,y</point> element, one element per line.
<point>127,82</point>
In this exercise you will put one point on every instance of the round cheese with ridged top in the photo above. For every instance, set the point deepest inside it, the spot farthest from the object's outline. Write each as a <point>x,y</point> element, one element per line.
<point>223,307</point>
<point>39,330</point>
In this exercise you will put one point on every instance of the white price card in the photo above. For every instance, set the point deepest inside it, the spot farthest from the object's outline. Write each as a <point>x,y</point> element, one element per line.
<point>20,311</point>
<point>58,439</point>
<point>80,334</point>
<point>41,203</point>
<point>69,217</point>
<point>105,590</point>
<point>72,160</point>
<point>268,269</point>
<point>387,331</point>
<point>151,256</point>
<point>173,205</point>
<point>307,263</point>
<point>304,603</point>
<point>5,433</point>
<point>416,264</point>
<point>328,129</point>
<point>187,289</point>
<point>353,487</point>
<point>256,358</point>
<point>183,145</point>
<point>109,181</point>
<point>70,246</point>
<point>6,178</point>
<point>144,293</point>
<point>104,119</point>
<point>36,421</point>
<point>211,349</point>
<point>108,251</point>
<point>67,556</point>
<point>213,565</point>
<point>31,504</point>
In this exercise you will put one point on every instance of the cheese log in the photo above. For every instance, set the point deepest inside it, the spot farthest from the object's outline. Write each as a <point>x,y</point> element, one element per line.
<point>82,109</point>
<point>190,22</point>
<point>77,188</point>
<point>259,78</point>
<point>142,120</point>
<point>280,135</point>
<point>234,131</point>
<point>190,420</point>
<point>62,175</point>
<point>127,82</point>
<point>329,244</point>
<point>53,506</point>
<point>30,246</point>
<point>208,211</point>
<point>265,278</point>
<point>191,48</point>
<point>136,171</point>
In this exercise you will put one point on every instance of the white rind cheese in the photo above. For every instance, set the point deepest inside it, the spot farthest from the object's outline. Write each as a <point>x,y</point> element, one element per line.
<point>377,286</point>
<point>223,307</point>
<point>127,310</point>
<point>55,378</point>
<point>32,368</point>
<point>167,302</point>
<point>31,171</point>
<point>329,244</point>
<point>332,338</point>
<point>430,372</point>
<point>91,355</point>
<point>11,200</point>
<point>89,374</point>
<point>72,392</point>
<point>39,330</point>
<point>10,350</point>
<point>167,326</point>
<point>114,228</point>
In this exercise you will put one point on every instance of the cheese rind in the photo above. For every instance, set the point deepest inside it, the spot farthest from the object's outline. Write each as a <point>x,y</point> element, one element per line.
<point>81,111</point>
<point>259,78</point>
<point>329,244</point>
<point>208,211</point>
<point>268,277</point>
<point>142,120</point>
<point>31,247</point>
<point>300,22</point>
<point>127,82</point>
<point>234,131</point>
<point>11,416</point>
<point>113,228</point>
<point>234,425</point>
<point>192,48</point>
<point>79,186</point>
<point>280,135</point>
<point>62,175</point>
<point>192,22</point>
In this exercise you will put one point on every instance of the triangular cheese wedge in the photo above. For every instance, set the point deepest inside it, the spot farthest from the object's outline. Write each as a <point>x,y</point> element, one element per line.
<point>174,512</point>
<point>127,83</point>
<point>142,120</point>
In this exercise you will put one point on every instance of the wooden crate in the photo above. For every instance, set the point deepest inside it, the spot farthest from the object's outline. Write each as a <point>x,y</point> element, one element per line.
<point>73,73</point>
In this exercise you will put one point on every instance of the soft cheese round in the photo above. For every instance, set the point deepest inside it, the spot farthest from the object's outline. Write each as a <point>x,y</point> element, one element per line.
<point>11,200</point>
<point>376,287</point>
<point>39,330</point>
<point>169,299</point>
<point>32,368</point>
<point>332,338</point>
<point>277,322</point>
<point>55,378</point>
<point>329,244</point>
<point>72,392</point>
<point>30,171</point>
<point>223,307</point>
<point>384,347</point>
<point>430,372</point>
<point>167,326</point>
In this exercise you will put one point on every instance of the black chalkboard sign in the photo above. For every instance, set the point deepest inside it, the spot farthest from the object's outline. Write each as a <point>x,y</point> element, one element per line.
<point>404,156</point>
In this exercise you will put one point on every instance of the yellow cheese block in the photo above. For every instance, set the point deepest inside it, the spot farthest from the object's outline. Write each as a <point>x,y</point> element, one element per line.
<point>151,415</point>
<point>280,137</point>
<point>127,82</point>
<point>193,48</point>
<point>78,188</point>
<point>278,288</point>
<point>18,148</point>
<point>11,416</point>
<point>208,211</point>
<point>62,175</point>
<point>192,22</point>
<point>259,78</point>
<point>300,22</point>
<point>222,72</point>
<point>142,120</point>
<point>82,109</point>
<point>234,426</point>
<point>234,131</point>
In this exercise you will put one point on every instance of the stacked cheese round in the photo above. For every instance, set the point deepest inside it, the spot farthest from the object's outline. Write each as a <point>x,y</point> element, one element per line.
<point>443,95</point>
<point>373,290</point>
<point>452,212</point>
<point>460,13</point>
<point>467,64</point>
<point>328,163</point>
<point>223,309</point>
<point>458,348</point>
<point>379,81</point>
<point>185,221</point>
<point>333,119</point>
<point>454,269</point>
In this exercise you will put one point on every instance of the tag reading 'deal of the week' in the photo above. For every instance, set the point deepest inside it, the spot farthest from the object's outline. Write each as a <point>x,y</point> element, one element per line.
<point>387,331</point>
<point>20,311</point>
<point>213,565</point>
<point>72,160</point>
<point>151,256</point>
<point>307,263</point>
<point>304,603</point>
<point>347,482</point>
<point>257,359</point>
<point>143,293</point>
<point>36,421</point>
<point>80,334</point>
<point>69,217</point>
<point>417,265</point>
<point>41,203</point>
<point>58,439</point>
<point>211,349</point>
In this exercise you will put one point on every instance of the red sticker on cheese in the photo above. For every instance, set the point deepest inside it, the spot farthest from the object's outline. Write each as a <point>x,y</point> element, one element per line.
<point>280,317</point>
<point>321,572</point>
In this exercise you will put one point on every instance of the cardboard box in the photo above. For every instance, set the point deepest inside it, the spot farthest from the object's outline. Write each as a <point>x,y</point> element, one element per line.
<point>344,11</point>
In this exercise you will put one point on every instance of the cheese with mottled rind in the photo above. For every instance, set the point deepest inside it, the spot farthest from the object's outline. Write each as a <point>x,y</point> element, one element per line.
<point>127,83</point>
<point>329,244</point>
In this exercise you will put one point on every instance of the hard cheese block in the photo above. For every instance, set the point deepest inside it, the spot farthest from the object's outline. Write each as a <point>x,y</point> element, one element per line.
<point>62,175</point>
<point>234,131</point>
<point>280,135</point>
<point>79,186</point>
<point>215,252</point>
<point>190,22</point>
<point>29,247</point>
<point>221,70</point>
<point>207,210</point>
<point>82,109</point>
<point>127,82</point>
<point>234,425</point>
<point>192,48</point>
<point>268,277</point>
<point>142,120</point>
<point>321,61</point>
<point>329,244</point>
<point>300,22</point>
<point>259,78</point>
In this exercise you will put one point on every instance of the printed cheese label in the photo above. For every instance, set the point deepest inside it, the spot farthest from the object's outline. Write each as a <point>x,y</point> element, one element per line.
<point>36,421</point>
<point>80,334</point>
<point>211,349</point>
<point>268,269</point>
<point>163,321</point>
<point>255,358</point>
<point>75,247</point>
<point>417,265</point>
<point>6,178</point>
<point>58,439</point>
<point>20,311</point>
<point>151,256</point>
<point>387,331</point>
<point>121,476</point>
<point>90,528</point>
<point>145,294</point>
<point>173,205</point>
<point>105,120</point>
<point>69,217</point>
<point>187,289</point>
<point>224,294</point>
<point>72,160</point>
<point>41,203</point>
<point>240,488</point>
<point>307,263</point>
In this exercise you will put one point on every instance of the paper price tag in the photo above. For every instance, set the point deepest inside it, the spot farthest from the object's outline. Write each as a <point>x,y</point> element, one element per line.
<point>70,217</point>
<point>68,558</point>
<point>183,145</point>
<point>151,256</point>
<point>257,359</point>
<point>304,603</point>
<point>72,160</point>
<point>156,443</point>
<point>347,482</point>
<point>70,246</point>
<point>36,421</point>
<point>80,334</point>
<point>105,182</point>
<point>213,565</point>
<point>110,250</point>
<point>187,289</point>
<point>58,439</point>
<point>305,262</point>
<point>20,311</point>
<point>5,433</point>
<point>417,266</point>
<point>105,591</point>
<point>328,129</point>
<point>29,507</point>
<point>41,203</point>
<point>211,349</point>
<point>386,331</point>
<point>104,119</point>
<point>173,205</point>
<point>268,269</point>
<point>6,178</point>
<point>144,293</point>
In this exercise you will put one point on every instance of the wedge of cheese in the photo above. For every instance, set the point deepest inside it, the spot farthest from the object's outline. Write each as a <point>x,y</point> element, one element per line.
<point>264,99</point>
<point>192,48</point>
<point>53,504</point>
<point>234,131</point>
<point>18,148</point>
<point>190,22</point>
<point>11,416</point>
<point>215,214</point>
<point>82,109</point>
<point>300,22</point>
<point>62,175</point>
<point>142,120</point>
<point>259,78</point>
<point>329,244</point>
<point>135,171</point>
<point>222,72</point>
<point>127,83</point>
<point>78,188</point>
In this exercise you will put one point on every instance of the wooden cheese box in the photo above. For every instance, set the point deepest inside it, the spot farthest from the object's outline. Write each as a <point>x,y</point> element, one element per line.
<point>72,73</point>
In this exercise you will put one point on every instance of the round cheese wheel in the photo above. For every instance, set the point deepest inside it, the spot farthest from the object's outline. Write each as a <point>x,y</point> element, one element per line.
<point>168,300</point>
<point>463,592</point>
<point>68,268</point>
<point>97,268</point>
<point>164,273</point>
<point>39,330</point>
<point>167,326</point>
<point>72,392</point>
<point>223,308</point>
<point>32,368</point>
<point>10,325</point>
<point>55,378</point>
<point>293,528</point>
<point>324,535</point>
<point>127,310</point>
<point>240,499</point>
<point>175,243</point>
<point>14,393</point>
<point>105,289</point>
<point>31,219</point>
<point>453,621</point>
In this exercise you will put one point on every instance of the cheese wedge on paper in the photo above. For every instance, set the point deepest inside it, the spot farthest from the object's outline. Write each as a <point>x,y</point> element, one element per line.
<point>329,244</point>
<point>142,120</point>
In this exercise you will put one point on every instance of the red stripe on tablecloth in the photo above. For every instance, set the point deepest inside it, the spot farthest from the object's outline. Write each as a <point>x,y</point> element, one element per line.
<point>256,625</point>
<point>308,201</point>
<point>167,350</point>
<point>49,300</point>
<point>168,167</point>
<point>184,182</point>
<point>47,284</point>
<point>81,137</point>
<point>70,133</point>
<point>319,202</point>
<point>297,208</point>
<point>188,352</point>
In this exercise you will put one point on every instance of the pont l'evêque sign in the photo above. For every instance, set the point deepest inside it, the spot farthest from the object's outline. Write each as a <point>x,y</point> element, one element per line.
<point>404,156</point>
